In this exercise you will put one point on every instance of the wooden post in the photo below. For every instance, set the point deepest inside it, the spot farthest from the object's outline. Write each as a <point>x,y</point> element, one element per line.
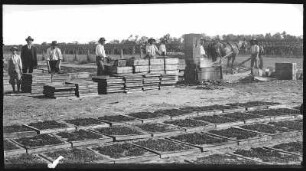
<point>133,50</point>
<point>64,54</point>
<point>88,58</point>
<point>121,53</point>
<point>140,49</point>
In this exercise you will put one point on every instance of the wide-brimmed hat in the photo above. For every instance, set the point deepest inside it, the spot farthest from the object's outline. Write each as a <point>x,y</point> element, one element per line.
<point>151,40</point>
<point>14,48</point>
<point>101,39</point>
<point>54,43</point>
<point>29,38</point>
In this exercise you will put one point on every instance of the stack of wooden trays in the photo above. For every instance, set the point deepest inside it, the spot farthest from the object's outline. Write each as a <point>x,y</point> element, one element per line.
<point>157,66</point>
<point>168,80</point>
<point>6,78</point>
<point>121,70</point>
<point>140,66</point>
<point>84,87</point>
<point>56,90</point>
<point>107,85</point>
<point>171,66</point>
<point>151,82</point>
<point>60,77</point>
<point>133,83</point>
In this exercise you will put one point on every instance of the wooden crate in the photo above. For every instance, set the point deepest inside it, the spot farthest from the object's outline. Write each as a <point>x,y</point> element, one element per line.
<point>285,71</point>
<point>138,62</point>
<point>141,69</point>
<point>172,61</point>
<point>156,61</point>
<point>121,70</point>
<point>171,67</point>
<point>156,67</point>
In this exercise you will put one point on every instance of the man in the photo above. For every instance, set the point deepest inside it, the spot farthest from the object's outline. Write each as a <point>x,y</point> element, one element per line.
<point>101,57</point>
<point>15,69</point>
<point>29,56</point>
<point>162,48</point>
<point>151,49</point>
<point>254,55</point>
<point>261,52</point>
<point>54,57</point>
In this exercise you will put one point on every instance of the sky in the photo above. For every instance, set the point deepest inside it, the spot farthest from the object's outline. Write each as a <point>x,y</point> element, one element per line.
<point>84,23</point>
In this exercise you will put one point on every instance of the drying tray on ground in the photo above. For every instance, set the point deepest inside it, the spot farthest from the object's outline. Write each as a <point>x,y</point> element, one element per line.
<point>219,121</point>
<point>245,117</point>
<point>123,152</point>
<point>177,113</point>
<point>254,105</point>
<point>83,137</point>
<point>267,155</point>
<point>18,131</point>
<point>149,116</point>
<point>159,129</point>
<point>119,133</point>
<point>240,135</point>
<point>223,159</point>
<point>291,147</point>
<point>82,123</point>
<point>296,125</point>
<point>41,142</point>
<point>119,119</point>
<point>277,114</point>
<point>190,125</point>
<point>204,141</point>
<point>11,148</point>
<point>75,156</point>
<point>202,110</point>
<point>51,126</point>
<point>166,148</point>
<point>25,161</point>
<point>273,131</point>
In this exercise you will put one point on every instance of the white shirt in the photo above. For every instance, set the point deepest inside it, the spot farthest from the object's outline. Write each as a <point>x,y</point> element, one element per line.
<point>162,48</point>
<point>254,49</point>
<point>54,54</point>
<point>16,60</point>
<point>202,51</point>
<point>151,50</point>
<point>100,51</point>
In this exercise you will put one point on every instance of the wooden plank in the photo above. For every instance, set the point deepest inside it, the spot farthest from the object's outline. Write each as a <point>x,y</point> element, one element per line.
<point>19,150</point>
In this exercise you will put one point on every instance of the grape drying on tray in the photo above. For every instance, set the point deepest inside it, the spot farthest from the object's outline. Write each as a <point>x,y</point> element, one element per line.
<point>15,128</point>
<point>120,150</point>
<point>116,118</point>
<point>216,119</point>
<point>295,147</point>
<point>74,155</point>
<point>252,104</point>
<point>83,121</point>
<point>241,116</point>
<point>275,112</point>
<point>293,125</point>
<point>23,161</point>
<point>39,140</point>
<point>162,145</point>
<point>146,115</point>
<point>7,145</point>
<point>48,125</point>
<point>198,139</point>
<point>223,159</point>
<point>118,130</point>
<point>79,135</point>
<point>186,123</point>
<point>265,128</point>
<point>171,112</point>
<point>157,127</point>
<point>235,133</point>
<point>268,155</point>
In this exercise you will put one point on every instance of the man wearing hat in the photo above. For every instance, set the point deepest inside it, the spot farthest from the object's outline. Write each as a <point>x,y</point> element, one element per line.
<point>254,55</point>
<point>151,49</point>
<point>15,69</point>
<point>162,47</point>
<point>54,57</point>
<point>29,56</point>
<point>101,57</point>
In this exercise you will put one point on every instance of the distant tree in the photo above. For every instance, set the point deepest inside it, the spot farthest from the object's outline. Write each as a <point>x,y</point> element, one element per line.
<point>44,43</point>
<point>92,42</point>
<point>114,42</point>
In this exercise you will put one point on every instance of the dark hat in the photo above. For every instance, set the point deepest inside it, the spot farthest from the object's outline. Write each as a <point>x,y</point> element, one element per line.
<point>14,48</point>
<point>151,40</point>
<point>54,43</point>
<point>102,39</point>
<point>29,38</point>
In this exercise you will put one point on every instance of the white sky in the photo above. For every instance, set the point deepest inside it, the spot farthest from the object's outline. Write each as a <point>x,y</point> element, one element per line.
<point>84,23</point>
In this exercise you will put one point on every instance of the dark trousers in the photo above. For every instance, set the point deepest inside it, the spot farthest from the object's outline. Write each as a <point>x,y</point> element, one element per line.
<point>53,66</point>
<point>101,70</point>
<point>27,68</point>
<point>163,54</point>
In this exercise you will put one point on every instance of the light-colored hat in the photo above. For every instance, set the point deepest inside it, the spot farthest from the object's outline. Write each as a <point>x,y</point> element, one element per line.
<point>14,48</point>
